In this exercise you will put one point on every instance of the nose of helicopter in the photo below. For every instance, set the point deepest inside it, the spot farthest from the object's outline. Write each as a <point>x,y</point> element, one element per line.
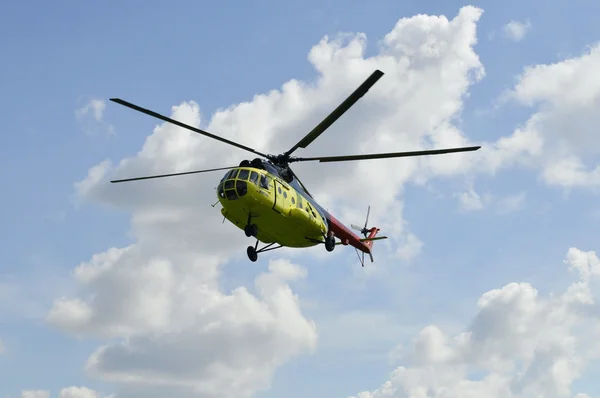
<point>232,189</point>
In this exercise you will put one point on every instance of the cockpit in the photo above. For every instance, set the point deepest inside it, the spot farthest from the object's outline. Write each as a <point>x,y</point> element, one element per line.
<point>234,183</point>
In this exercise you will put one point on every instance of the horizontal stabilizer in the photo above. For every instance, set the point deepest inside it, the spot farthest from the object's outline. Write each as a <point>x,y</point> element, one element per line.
<point>375,238</point>
<point>366,239</point>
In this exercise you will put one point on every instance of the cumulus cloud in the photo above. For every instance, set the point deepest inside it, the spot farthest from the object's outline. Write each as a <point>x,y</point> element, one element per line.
<point>470,201</point>
<point>35,394</point>
<point>78,392</point>
<point>559,138</point>
<point>91,118</point>
<point>69,392</point>
<point>516,30</point>
<point>183,333</point>
<point>519,344</point>
<point>171,327</point>
<point>95,108</point>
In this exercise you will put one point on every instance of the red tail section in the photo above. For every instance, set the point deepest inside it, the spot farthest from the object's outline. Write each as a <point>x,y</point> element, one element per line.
<point>369,241</point>
<point>347,237</point>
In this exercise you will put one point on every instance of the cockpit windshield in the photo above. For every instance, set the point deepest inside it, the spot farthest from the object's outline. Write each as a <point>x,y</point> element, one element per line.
<point>234,183</point>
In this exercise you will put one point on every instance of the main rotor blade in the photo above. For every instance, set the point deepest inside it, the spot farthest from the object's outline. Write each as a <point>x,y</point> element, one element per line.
<point>338,112</point>
<point>185,126</point>
<point>173,174</point>
<point>324,159</point>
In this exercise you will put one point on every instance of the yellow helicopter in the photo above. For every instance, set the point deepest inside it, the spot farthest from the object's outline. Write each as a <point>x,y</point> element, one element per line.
<point>266,199</point>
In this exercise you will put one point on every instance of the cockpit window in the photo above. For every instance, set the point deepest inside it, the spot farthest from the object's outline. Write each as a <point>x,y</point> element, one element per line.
<point>220,190</point>
<point>242,187</point>
<point>254,177</point>
<point>231,195</point>
<point>243,174</point>
<point>232,173</point>
<point>229,184</point>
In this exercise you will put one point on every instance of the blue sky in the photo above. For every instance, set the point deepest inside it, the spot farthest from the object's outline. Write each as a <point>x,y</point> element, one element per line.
<point>59,56</point>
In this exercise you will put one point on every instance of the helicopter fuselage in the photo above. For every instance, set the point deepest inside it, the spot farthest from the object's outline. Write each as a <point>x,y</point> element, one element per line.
<point>282,214</point>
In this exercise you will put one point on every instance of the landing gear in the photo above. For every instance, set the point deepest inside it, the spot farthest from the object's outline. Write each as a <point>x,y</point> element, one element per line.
<point>329,243</point>
<point>253,253</point>
<point>251,230</point>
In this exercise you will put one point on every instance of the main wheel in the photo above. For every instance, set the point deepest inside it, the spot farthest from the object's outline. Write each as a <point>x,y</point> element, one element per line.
<point>329,243</point>
<point>252,255</point>
<point>251,230</point>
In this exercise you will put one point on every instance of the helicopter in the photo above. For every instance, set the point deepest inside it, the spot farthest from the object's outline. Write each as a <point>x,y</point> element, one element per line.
<point>266,199</point>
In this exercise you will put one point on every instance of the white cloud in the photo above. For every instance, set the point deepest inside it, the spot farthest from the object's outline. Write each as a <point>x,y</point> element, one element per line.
<point>520,343</point>
<point>91,117</point>
<point>559,138</point>
<point>78,392</point>
<point>470,201</point>
<point>516,30</point>
<point>69,392</point>
<point>35,394</point>
<point>182,332</point>
<point>95,107</point>
<point>159,300</point>
<point>411,249</point>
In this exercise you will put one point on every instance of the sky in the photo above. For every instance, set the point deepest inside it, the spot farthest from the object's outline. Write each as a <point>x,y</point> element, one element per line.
<point>486,287</point>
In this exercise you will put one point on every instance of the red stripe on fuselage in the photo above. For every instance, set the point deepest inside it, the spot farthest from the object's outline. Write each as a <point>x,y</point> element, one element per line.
<point>346,235</point>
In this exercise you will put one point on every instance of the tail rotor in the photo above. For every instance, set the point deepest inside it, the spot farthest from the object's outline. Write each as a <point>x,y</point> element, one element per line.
<point>369,236</point>
<point>364,230</point>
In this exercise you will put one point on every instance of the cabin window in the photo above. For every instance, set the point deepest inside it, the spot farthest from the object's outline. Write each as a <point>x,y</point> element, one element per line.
<point>279,189</point>
<point>242,187</point>
<point>285,194</point>
<point>254,177</point>
<point>243,175</point>
<point>299,201</point>
<point>293,201</point>
<point>265,181</point>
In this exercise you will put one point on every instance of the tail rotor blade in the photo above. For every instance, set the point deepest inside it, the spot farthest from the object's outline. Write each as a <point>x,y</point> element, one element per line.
<point>367,220</point>
<point>356,227</point>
